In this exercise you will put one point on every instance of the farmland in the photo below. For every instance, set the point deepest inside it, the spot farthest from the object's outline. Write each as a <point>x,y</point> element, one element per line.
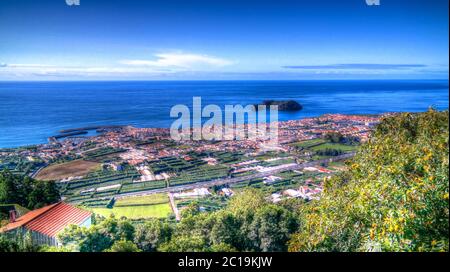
<point>208,203</point>
<point>342,147</point>
<point>68,169</point>
<point>152,206</point>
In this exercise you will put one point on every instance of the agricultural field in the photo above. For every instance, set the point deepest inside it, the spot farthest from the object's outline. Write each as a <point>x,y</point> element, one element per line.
<point>68,169</point>
<point>102,153</point>
<point>207,203</point>
<point>308,143</point>
<point>222,157</point>
<point>342,147</point>
<point>174,164</point>
<point>152,206</point>
<point>322,148</point>
<point>86,190</point>
<point>199,174</point>
<point>288,180</point>
<point>18,164</point>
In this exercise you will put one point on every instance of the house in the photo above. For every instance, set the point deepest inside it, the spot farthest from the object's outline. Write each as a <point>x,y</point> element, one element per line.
<point>271,179</point>
<point>45,223</point>
<point>227,192</point>
<point>292,193</point>
<point>276,197</point>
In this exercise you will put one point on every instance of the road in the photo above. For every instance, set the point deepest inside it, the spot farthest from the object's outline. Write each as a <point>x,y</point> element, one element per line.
<point>174,206</point>
<point>234,180</point>
<point>35,173</point>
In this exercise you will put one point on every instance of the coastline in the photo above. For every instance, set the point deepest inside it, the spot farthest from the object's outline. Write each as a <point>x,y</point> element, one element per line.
<point>74,132</point>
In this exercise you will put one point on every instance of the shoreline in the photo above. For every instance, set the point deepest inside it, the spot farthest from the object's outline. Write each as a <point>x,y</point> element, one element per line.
<point>73,132</point>
<point>67,133</point>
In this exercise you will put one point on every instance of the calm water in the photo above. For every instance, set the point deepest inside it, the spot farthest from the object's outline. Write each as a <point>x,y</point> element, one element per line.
<point>32,111</point>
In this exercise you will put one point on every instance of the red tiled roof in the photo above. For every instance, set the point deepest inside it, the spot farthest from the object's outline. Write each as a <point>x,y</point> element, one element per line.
<point>26,218</point>
<point>51,219</point>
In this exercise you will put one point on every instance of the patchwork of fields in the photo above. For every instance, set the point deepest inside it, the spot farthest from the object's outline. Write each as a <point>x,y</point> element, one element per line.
<point>97,187</point>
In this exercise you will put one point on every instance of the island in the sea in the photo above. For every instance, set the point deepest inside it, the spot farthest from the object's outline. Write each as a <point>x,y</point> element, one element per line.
<point>283,105</point>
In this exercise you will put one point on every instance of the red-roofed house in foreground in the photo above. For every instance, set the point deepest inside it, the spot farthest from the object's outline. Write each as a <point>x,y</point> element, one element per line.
<point>45,223</point>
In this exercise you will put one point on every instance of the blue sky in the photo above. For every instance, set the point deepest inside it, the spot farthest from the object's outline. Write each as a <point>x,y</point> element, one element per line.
<point>218,39</point>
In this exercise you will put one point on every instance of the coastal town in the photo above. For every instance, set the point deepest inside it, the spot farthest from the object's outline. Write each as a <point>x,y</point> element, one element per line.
<point>141,172</point>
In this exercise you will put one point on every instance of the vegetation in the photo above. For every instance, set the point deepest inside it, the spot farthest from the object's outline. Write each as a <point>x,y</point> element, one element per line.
<point>329,152</point>
<point>336,146</point>
<point>19,165</point>
<point>26,191</point>
<point>336,137</point>
<point>69,169</point>
<point>20,243</point>
<point>394,196</point>
<point>156,206</point>
<point>248,223</point>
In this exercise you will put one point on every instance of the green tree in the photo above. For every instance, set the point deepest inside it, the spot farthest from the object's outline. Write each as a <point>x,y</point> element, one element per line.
<point>123,246</point>
<point>26,192</point>
<point>18,243</point>
<point>150,235</point>
<point>226,230</point>
<point>394,196</point>
<point>196,243</point>
<point>99,237</point>
<point>271,228</point>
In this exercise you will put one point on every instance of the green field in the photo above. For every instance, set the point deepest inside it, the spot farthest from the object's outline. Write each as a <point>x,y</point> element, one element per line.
<point>156,206</point>
<point>344,148</point>
<point>308,143</point>
<point>143,200</point>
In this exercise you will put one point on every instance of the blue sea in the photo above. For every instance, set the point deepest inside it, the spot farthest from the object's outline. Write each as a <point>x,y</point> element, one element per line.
<point>30,112</point>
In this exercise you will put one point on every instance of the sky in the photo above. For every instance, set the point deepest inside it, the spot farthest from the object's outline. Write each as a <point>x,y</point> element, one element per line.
<point>223,40</point>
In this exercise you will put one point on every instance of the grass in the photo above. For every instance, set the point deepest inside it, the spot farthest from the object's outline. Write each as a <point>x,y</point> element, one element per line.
<point>68,169</point>
<point>152,206</point>
<point>137,212</point>
<point>308,143</point>
<point>344,148</point>
<point>143,200</point>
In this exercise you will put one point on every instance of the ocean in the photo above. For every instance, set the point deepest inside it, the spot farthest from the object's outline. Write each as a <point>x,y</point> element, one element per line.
<point>30,112</point>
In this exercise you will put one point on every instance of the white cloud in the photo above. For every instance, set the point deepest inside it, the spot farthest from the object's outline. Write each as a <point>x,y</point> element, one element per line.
<point>180,60</point>
<point>163,65</point>
<point>17,65</point>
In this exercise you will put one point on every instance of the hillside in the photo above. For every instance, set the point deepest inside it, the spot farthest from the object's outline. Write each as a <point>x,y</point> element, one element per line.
<point>393,198</point>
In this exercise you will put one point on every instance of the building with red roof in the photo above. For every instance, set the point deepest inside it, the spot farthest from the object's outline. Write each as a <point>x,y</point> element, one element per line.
<point>45,223</point>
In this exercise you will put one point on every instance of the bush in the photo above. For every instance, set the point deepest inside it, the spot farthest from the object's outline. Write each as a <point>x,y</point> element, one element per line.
<point>394,197</point>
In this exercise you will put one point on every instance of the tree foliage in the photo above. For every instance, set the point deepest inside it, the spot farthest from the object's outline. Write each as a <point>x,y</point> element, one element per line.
<point>249,223</point>
<point>394,196</point>
<point>20,243</point>
<point>26,191</point>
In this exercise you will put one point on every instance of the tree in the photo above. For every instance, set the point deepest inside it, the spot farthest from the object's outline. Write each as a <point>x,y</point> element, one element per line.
<point>26,191</point>
<point>246,202</point>
<point>123,246</point>
<point>222,247</point>
<point>271,228</point>
<point>19,243</point>
<point>97,240</point>
<point>395,196</point>
<point>183,243</point>
<point>99,237</point>
<point>334,137</point>
<point>329,152</point>
<point>150,235</point>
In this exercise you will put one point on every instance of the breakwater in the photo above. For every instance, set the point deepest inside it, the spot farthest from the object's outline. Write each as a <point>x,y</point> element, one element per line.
<point>71,130</point>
